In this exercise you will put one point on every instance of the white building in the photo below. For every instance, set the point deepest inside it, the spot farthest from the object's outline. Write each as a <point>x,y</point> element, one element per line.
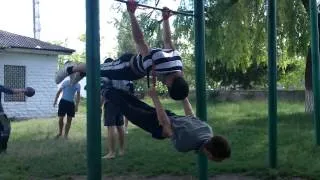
<point>24,62</point>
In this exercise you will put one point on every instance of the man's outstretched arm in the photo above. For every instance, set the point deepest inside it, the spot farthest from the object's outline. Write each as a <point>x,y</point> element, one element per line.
<point>167,40</point>
<point>187,107</point>
<point>161,114</point>
<point>137,34</point>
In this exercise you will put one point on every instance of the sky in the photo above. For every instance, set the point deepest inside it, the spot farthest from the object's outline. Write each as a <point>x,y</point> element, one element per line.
<point>64,19</point>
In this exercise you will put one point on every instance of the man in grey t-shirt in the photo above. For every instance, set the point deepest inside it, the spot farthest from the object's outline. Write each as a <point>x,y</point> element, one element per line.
<point>186,132</point>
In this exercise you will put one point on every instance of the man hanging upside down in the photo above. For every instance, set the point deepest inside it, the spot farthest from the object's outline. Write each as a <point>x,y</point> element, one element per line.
<point>166,62</point>
<point>186,132</point>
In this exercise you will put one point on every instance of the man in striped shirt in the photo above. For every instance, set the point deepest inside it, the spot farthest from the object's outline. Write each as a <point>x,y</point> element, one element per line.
<point>165,63</point>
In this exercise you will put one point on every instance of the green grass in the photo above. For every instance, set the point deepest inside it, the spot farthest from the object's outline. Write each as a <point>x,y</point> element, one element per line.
<point>34,153</point>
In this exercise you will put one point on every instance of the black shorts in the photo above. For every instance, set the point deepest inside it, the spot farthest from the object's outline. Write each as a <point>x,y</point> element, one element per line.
<point>112,115</point>
<point>66,107</point>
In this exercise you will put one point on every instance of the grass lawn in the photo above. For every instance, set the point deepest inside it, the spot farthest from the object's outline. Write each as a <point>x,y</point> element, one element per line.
<point>33,153</point>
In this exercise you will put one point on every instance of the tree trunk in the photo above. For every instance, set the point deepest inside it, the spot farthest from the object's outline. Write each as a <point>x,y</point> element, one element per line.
<point>308,83</point>
<point>308,72</point>
<point>308,101</point>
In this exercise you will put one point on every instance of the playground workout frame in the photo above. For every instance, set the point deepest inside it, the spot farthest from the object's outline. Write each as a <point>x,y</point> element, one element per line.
<point>93,74</point>
<point>93,84</point>
<point>160,9</point>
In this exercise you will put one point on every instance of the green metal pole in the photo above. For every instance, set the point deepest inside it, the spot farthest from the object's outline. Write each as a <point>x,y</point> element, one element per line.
<point>315,66</point>
<point>93,90</point>
<point>272,65</point>
<point>200,77</point>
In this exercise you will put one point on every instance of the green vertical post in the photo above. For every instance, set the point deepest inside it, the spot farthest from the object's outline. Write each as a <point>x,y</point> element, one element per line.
<point>200,77</point>
<point>315,66</point>
<point>272,74</point>
<point>93,90</point>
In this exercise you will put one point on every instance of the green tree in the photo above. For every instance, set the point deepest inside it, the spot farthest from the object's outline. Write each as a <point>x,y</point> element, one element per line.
<point>75,57</point>
<point>236,39</point>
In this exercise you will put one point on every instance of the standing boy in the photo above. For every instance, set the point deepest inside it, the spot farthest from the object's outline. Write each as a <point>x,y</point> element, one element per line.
<point>67,105</point>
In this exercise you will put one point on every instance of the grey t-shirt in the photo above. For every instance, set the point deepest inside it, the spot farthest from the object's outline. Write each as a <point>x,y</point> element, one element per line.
<point>189,133</point>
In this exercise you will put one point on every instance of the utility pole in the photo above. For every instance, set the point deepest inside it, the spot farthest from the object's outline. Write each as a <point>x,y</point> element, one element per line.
<point>36,19</point>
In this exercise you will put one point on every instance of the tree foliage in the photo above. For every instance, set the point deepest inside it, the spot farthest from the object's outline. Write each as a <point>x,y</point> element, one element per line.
<point>76,56</point>
<point>236,36</point>
<point>236,40</point>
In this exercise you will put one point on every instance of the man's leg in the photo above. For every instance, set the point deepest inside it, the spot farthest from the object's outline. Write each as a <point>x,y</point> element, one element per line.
<point>1,137</point>
<point>61,113</point>
<point>111,141</point>
<point>138,112</point>
<point>1,144</point>
<point>3,134</point>
<point>119,124</point>
<point>67,70</point>
<point>60,126</point>
<point>70,109</point>
<point>67,128</point>
<point>121,139</point>
<point>5,142</point>
<point>118,70</point>
<point>126,122</point>
<point>5,130</point>
<point>134,101</point>
<point>132,108</point>
<point>110,123</point>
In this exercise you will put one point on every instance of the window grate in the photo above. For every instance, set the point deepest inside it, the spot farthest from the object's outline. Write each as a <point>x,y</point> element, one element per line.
<point>14,77</point>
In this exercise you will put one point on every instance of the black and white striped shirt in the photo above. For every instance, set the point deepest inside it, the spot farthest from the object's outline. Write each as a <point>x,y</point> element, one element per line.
<point>165,61</point>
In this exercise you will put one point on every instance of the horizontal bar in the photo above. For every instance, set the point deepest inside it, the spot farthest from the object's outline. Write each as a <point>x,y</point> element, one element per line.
<point>156,8</point>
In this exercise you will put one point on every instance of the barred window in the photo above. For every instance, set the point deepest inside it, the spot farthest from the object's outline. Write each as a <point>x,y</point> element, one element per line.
<point>14,77</point>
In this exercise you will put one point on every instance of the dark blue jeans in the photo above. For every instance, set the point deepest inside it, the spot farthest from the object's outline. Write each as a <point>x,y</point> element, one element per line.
<point>137,112</point>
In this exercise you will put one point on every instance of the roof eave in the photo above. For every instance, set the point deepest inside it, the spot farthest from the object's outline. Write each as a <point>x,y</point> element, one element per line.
<point>38,51</point>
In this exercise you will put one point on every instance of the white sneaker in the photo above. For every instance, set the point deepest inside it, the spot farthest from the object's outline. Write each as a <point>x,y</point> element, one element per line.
<point>62,73</point>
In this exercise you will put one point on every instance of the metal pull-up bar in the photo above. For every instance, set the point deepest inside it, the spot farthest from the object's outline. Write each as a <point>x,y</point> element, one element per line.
<point>160,9</point>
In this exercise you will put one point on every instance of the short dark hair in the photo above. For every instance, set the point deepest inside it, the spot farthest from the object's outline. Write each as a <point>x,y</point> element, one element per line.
<point>179,89</point>
<point>219,147</point>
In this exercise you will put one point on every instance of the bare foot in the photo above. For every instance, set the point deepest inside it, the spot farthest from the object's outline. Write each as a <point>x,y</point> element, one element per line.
<point>121,152</point>
<point>109,156</point>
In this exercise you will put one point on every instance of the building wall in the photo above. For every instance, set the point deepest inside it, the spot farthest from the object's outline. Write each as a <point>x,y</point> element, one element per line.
<point>40,73</point>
